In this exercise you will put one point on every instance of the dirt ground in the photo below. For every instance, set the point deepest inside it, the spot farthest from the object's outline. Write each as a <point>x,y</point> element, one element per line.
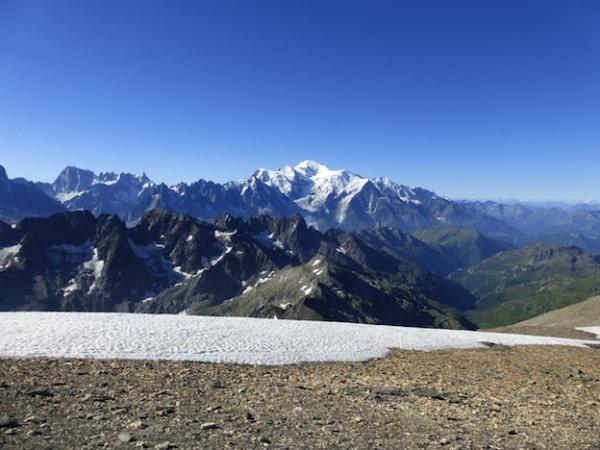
<point>493,398</point>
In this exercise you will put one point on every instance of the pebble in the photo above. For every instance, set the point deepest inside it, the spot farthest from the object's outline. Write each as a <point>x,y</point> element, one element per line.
<point>7,422</point>
<point>40,392</point>
<point>216,384</point>
<point>136,425</point>
<point>209,426</point>
<point>125,437</point>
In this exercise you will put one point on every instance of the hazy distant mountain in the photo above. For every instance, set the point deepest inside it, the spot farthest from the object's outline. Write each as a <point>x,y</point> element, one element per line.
<point>561,224</point>
<point>20,198</point>
<point>260,267</point>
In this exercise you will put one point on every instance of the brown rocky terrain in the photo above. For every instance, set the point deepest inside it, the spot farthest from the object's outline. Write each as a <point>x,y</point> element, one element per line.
<point>494,398</point>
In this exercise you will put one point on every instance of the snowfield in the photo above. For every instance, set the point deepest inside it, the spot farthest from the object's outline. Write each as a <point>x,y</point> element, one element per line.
<point>593,330</point>
<point>226,339</point>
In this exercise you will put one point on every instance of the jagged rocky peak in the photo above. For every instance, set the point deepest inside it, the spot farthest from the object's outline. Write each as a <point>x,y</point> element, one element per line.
<point>5,190</point>
<point>73,179</point>
<point>3,175</point>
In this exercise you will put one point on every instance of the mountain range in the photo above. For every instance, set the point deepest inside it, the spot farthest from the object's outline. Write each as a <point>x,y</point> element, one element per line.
<point>258,267</point>
<point>303,242</point>
<point>326,198</point>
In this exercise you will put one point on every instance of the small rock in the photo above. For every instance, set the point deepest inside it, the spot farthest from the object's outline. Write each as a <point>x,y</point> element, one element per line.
<point>165,411</point>
<point>96,398</point>
<point>165,446</point>
<point>7,422</point>
<point>209,426</point>
<point>136,425</point>
<point>40,392</point>
<point>576,372</point>
<point>34,419</point>
<point>264,440</point>
<point>251,415</point>
<point>216,384</point>
<point>391,391</point>
<point>125,437</point>
<point>428,393</point>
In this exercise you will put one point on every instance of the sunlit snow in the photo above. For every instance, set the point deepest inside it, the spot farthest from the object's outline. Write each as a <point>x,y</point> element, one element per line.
<point>226,339</point>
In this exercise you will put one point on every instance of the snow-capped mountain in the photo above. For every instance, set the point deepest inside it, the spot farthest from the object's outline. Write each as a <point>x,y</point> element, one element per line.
<point>340,198</point>
<point>327,198</point>
<point>107,192</point>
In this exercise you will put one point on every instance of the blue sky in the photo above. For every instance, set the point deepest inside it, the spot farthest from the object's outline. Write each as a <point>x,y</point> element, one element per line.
<point>475,99</point>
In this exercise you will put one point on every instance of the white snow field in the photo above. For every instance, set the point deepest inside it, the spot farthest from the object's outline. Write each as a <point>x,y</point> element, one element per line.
<point>593,330</point>
<point>226,339</point>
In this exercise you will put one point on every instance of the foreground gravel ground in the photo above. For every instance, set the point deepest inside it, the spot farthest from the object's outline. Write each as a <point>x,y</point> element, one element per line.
<point>526,397</point>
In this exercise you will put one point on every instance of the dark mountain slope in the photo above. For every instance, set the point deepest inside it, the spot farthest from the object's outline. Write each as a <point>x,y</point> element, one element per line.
<point>21,198</point>
<point>173,263</point>
<point>462,247</point>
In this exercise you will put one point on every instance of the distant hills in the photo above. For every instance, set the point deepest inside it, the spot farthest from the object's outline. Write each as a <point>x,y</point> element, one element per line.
<point>515,285</point>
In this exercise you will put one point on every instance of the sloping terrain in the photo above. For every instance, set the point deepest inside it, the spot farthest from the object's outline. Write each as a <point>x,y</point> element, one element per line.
<point>326,290</point>
<point>583,314</point>
<point>570,321</point>
<point>519,284</point>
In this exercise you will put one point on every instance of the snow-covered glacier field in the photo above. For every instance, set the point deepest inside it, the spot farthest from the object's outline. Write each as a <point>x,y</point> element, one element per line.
<point>226,339</point>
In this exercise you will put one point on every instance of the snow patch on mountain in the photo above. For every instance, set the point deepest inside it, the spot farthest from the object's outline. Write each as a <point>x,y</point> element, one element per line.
<point>8,255</point>
<point>228,339</point>
<point>95,266</point>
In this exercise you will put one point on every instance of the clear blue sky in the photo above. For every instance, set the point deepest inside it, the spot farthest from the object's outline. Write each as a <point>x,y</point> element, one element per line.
<point>469,98</point>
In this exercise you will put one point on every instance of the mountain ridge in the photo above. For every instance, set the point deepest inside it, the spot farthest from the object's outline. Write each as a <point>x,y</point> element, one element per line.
<point>173,263</point>
<point>327,198</point>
